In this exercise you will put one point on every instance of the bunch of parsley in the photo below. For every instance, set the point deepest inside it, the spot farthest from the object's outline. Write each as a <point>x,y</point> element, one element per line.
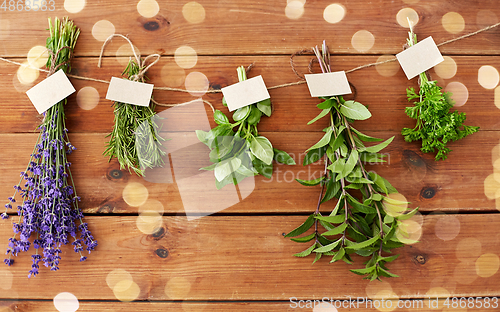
<point>436,125</point>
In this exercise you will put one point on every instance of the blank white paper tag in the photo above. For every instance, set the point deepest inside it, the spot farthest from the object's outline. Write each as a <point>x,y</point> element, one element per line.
<point>420,57</point>
<point>130,92</point>
<point>328,84</point>
<point>245,93</point>
<point>50,91</point>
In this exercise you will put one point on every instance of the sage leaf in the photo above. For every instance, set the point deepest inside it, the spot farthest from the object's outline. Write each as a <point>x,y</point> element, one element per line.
<point>364,137</point>
<point>339,255</point>
<point>364,271</point>
<point>324,140</point>
<point>372,157</point>
<point>327,104</point>
<point>304,239</point>
<point>306,252</point>
<point>379,147</point>
<point>310,182</point>
<point>350,163</point>
<point>339,229</point>
<point>321,115</point>
<point>332,188</point>
<point>363,244</point>
<point>301,229</point>
<point>386,273</point>
<point>332,219</point>
<point>328,247</point>
<point>408,215</point>
<point>387,259</point>
<point>314,155</point>
<point>355,110</point>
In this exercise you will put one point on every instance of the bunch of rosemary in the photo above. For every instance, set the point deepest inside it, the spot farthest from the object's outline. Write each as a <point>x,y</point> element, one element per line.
<point>436,125</point>
<point>49,204</point>
<point>244,153</point>
<point>135,139</point>
<point>356,225</point>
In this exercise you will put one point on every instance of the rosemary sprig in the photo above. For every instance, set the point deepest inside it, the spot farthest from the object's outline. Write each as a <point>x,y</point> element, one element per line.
<point>436,125</point>
<point>244,153</point>
<point>363,226</point>
<point>135,139</point>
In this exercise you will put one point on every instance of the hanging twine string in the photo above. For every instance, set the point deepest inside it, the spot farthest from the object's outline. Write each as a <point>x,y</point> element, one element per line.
<point>301,81</point>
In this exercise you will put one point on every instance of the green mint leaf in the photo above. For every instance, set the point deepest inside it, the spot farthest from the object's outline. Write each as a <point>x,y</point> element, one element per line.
<point>324,140</point>
<point>310,182</point>
<point>355,110</point>
<point>301,229</point>
<point>304,239</point>
<point>283,157</point>
<point>378,147</point>
<point>321,115</point>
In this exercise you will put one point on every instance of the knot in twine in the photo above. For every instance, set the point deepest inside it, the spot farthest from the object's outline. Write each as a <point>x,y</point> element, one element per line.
<point>141,63</point>
<point>53,59</point>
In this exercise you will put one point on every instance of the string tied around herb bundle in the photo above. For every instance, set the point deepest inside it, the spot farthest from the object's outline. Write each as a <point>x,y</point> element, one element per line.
<point>53,59</point>
<point>143,68</point>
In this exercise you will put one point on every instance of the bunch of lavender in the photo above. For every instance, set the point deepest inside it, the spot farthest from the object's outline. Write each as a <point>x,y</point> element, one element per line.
<point>49,211</point>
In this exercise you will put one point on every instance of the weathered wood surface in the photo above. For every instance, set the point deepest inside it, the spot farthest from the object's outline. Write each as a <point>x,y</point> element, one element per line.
<point>271,306</point>
<point>452,185</point>
<point>247,258</point>
<point>239,260</point>
<point>293,105</point>
<point>260,27</point>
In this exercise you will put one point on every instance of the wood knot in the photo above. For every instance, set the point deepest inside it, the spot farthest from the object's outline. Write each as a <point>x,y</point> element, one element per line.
<point>155,24</point>
<point>116,174</point>
<point>162,253</point>
<point>151,25</point>
<point>428,192</point>
<point>158,233</point>
<point>413,160</point>
<point>420,259</point>
<point>105,209</point>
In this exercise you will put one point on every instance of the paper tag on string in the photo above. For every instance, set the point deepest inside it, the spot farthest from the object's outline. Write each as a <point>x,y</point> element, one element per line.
<point>328,84</point>
<point>50,91</point>
<point>130,92</point>
<point>245,92</point>
<point>420,57</point>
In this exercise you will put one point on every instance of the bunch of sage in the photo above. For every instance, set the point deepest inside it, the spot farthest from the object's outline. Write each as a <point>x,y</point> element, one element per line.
<point>357,224</point>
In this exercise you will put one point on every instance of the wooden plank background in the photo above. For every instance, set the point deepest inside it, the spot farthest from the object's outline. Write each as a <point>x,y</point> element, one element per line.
<point>235,257</point>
